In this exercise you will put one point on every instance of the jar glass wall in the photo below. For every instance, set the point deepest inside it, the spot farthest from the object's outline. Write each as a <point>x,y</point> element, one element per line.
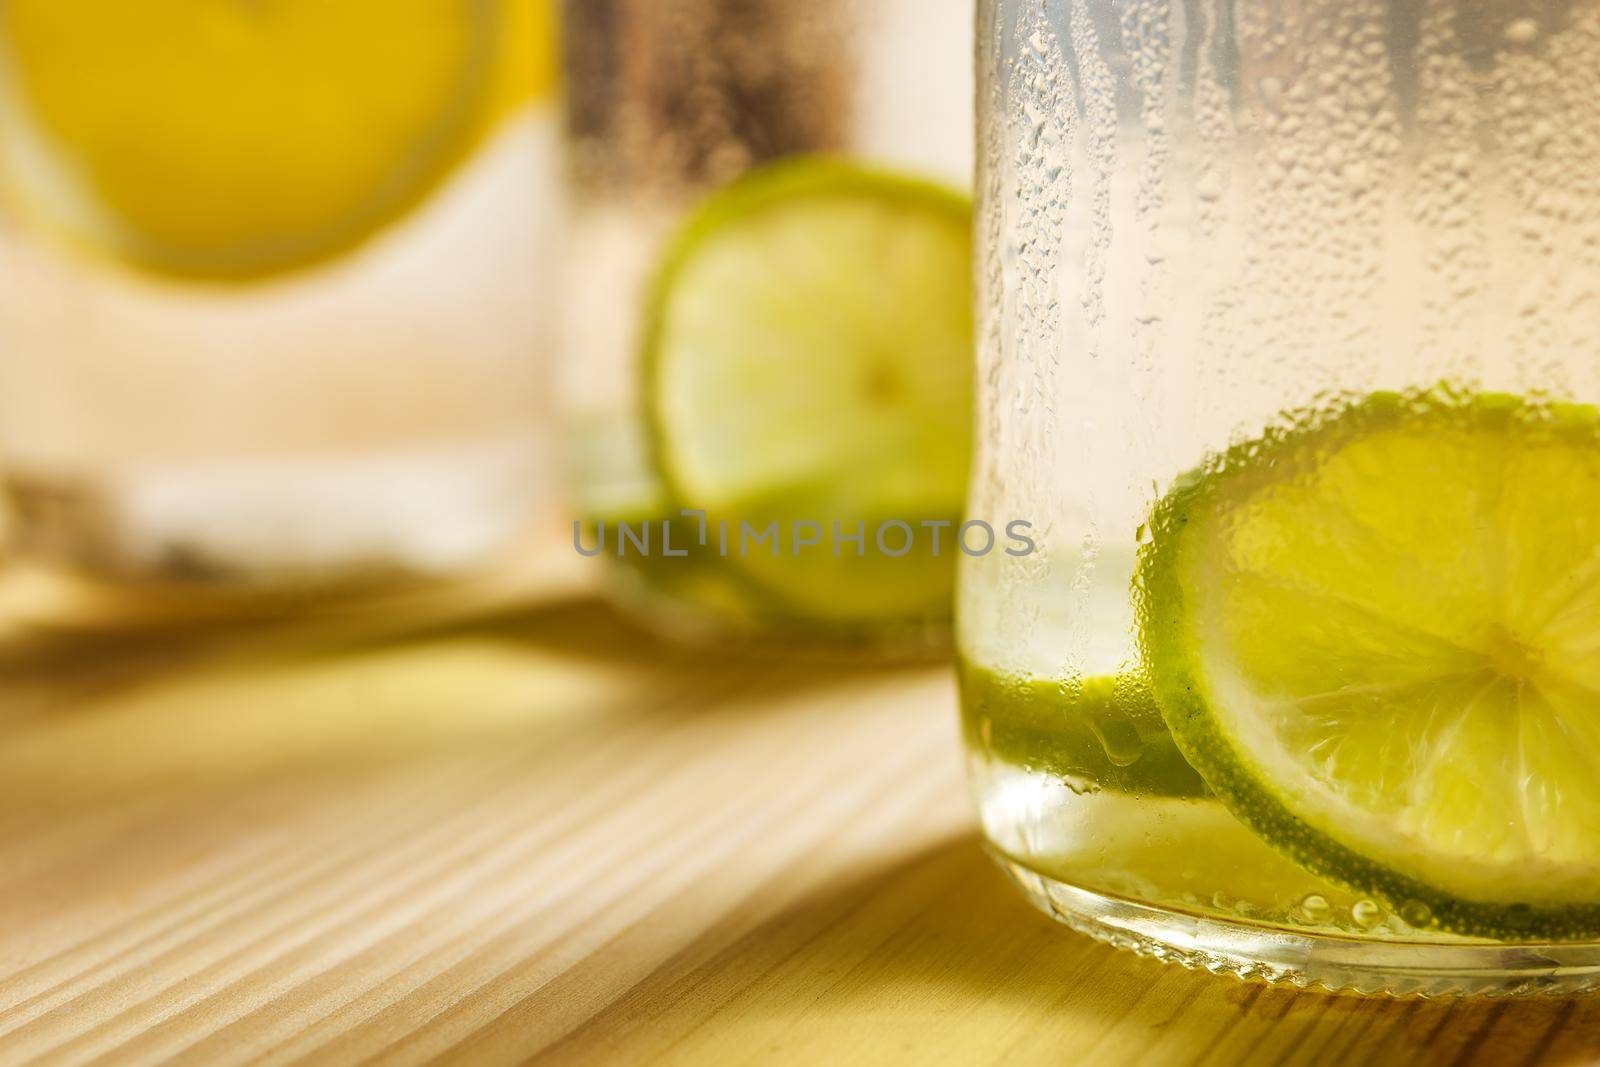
<point>273,311</point>
<point>1288,351</point>
<point>670,101</point>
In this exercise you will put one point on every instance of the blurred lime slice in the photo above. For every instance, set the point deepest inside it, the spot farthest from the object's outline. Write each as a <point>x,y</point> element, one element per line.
<point>1375,634</point>
<point>809,359</point>
<point>229,139</point>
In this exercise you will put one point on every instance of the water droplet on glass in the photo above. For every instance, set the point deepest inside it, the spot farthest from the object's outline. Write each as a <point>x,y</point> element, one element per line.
<point>1416,914</point>
<point>1121,741</point>
<point>1522,31</point>
<point>1366,913</point>
<point>1315,908</point>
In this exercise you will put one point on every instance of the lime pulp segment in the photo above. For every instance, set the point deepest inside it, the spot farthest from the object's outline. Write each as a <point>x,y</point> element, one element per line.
<point>1377,636</point>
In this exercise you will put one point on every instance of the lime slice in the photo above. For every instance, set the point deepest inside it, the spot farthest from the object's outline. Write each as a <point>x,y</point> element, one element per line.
<point>228,139</point>
<point>1098,734</point>
<point>1375,635</point>
<point>809,360</point>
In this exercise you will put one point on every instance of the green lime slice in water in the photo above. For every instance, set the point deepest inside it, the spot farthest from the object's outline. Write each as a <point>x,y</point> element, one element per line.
<point>1377,636</point>
<point>1102,733</point>
<point>809,359</point>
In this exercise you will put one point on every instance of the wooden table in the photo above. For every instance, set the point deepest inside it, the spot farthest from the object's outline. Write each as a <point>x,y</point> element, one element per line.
<point>544,835</point>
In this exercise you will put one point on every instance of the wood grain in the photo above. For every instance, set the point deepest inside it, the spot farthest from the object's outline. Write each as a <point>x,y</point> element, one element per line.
<point>544,836</point>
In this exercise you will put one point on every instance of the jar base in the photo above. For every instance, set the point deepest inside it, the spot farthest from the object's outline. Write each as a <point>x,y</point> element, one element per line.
<point>1306,959</point>
<point>705,607</point>
<point>292,523</point>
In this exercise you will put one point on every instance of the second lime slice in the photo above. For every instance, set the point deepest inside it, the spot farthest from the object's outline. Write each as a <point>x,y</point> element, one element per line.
<point>1377,636</point>
<point>808,371</point>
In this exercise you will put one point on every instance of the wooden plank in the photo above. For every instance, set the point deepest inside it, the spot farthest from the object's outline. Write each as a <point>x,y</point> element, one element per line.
<point>548,836</point>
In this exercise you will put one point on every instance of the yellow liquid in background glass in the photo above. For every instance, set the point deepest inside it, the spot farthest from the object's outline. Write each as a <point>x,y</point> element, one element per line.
<point>276,291</point>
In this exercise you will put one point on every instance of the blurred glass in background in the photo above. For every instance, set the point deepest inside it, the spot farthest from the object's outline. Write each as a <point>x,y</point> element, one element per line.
<point>669,101</point>
<point>274,300</point>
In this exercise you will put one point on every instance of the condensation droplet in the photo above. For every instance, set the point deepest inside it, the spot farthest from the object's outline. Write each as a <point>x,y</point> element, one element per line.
<point>1416,914</point>
<point>1366,913</point>
<point>1271,89</point>
<point>1522,31</point>
<point>1315,908</point>
<point>1120,740</point>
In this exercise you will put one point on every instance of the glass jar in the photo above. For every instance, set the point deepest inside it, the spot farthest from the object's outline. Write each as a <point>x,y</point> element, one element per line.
<point>1288,337</point>
<point>669,101</point>
<point>272,317</point>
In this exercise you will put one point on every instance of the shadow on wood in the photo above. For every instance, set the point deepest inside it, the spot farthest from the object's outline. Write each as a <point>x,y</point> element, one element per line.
<point>939,960</point>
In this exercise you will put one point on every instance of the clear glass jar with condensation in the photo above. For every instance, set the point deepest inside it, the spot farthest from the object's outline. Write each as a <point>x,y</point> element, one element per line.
<point>1289,348</point>
<point>281,336</point>
<point>668,102</point>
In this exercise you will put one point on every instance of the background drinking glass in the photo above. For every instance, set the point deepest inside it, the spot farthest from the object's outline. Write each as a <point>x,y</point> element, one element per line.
<point>273,296</point>
<point>1276,723</point>
<point>669,100</point>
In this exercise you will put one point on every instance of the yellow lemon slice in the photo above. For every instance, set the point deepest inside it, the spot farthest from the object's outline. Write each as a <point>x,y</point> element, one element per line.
<point>230,139</point>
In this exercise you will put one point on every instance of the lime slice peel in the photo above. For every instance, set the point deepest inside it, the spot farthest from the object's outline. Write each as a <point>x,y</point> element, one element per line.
<point>808,358</point>
<point>1340,620</point>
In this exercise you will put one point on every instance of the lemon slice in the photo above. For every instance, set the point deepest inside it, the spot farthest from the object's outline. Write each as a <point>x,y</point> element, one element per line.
<point>1377,637</point>
<point>809,360</point>
<point>230,139</point>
